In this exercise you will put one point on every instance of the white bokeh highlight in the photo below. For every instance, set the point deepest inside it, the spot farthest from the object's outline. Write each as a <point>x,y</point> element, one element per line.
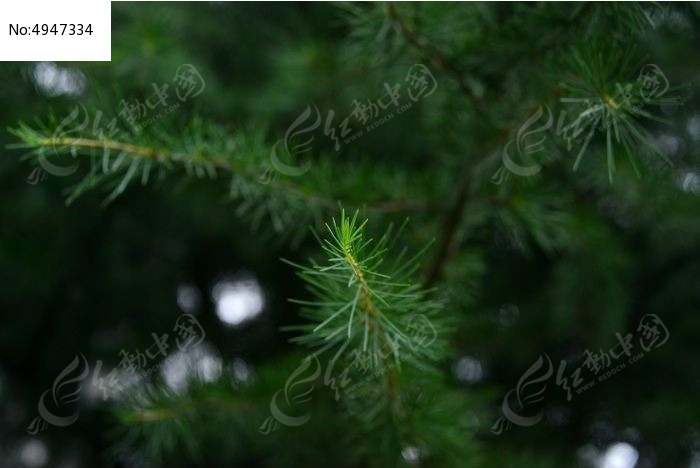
<point>54,80</point>
<point>201,362</point>
<point>188,298</point>
<point>469,369</point>
<point>33,453</point>
<point>619,455</point>
<point>238,299</point>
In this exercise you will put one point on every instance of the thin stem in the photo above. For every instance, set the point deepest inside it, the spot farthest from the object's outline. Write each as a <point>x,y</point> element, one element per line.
<point>439,60</point>
<point>372,315</point>
<point>219,162</point>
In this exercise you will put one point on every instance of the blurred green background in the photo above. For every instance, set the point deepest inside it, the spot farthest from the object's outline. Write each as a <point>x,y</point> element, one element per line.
<point>99,279</point>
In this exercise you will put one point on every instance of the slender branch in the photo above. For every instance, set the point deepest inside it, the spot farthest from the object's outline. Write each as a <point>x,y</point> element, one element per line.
<point>439,60</point>
<point>372,314</point>
<point>155,153</point>
<point>192,405</point>
<point>451,222</point>
<point>219,162</point>
<point>455,214</point>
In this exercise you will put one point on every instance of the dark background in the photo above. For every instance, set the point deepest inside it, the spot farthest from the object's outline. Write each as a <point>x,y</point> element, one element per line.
<point>99,279</point>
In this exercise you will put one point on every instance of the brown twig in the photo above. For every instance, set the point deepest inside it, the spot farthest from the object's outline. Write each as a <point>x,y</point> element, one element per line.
<point>439,60</point>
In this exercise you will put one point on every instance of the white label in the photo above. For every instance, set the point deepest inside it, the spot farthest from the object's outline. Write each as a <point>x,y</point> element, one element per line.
<point>45,30</point>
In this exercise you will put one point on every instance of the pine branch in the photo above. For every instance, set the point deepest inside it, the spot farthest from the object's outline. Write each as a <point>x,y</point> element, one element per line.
<point>135,152</point>
<point>608,101</point>
<point>363,307</point>
<point>204,150</point>
<point>158,423</point>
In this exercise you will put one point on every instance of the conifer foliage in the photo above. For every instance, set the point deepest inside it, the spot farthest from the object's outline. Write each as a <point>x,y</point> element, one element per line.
<point>532,162</point>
